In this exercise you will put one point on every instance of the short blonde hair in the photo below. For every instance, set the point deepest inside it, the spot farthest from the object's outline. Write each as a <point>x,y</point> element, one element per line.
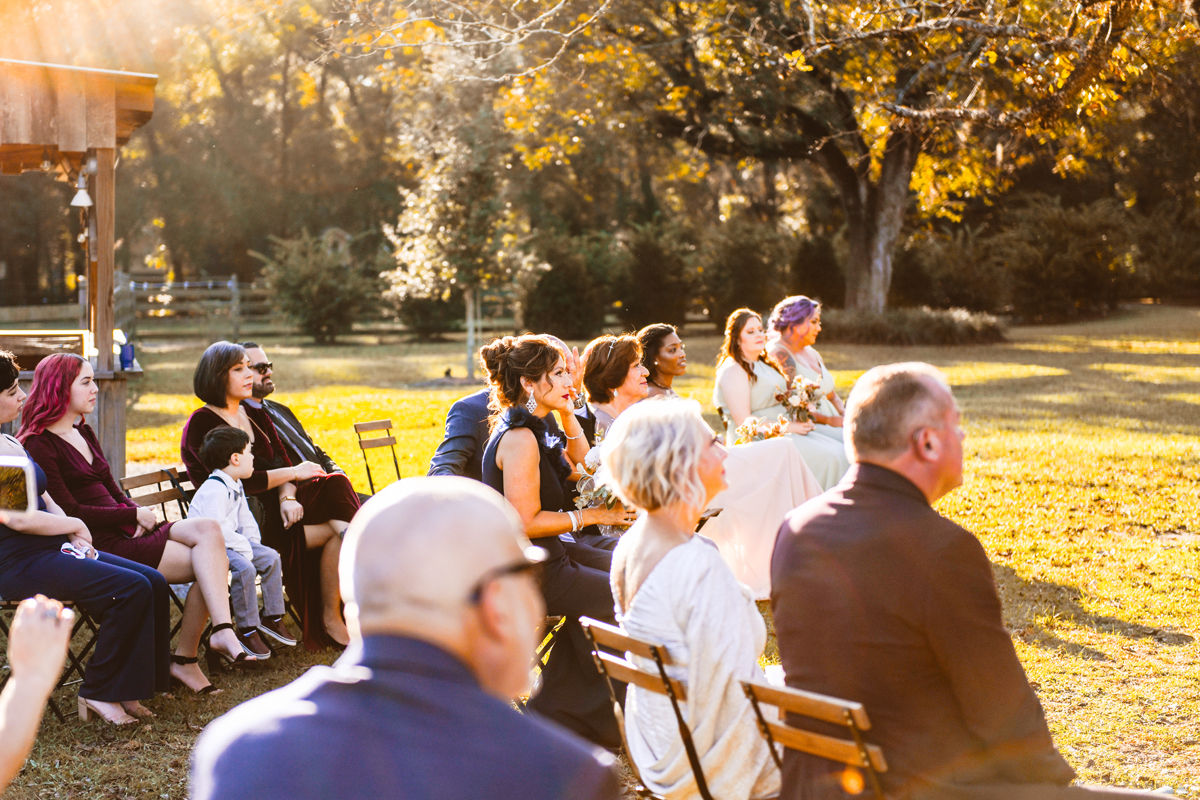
<point>891,402</point>
<point>651,454</point>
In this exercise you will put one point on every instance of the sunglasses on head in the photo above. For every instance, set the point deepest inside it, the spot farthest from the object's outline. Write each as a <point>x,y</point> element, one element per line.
<point>262,368</point>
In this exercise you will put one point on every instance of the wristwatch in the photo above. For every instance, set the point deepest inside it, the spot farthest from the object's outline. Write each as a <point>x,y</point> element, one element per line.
<point>285,499</point>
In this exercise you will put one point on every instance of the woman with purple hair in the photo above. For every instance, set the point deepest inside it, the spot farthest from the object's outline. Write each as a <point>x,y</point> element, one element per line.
<point>797,322</point>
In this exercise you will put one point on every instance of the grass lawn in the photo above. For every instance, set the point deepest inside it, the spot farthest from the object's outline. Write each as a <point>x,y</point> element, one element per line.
<point>1081,473</point>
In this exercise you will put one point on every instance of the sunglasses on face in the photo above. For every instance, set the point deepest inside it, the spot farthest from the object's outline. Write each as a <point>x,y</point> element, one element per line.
<point>262,368</point>
<point>534,556</point>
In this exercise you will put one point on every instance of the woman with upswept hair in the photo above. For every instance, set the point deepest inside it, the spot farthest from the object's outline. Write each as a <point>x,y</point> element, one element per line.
<point>747,382</point>
<point>797,322</point>
<point>531,465</point>
<point>81,482</point>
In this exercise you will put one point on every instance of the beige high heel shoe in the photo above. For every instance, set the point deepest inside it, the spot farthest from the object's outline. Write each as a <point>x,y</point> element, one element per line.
<point>86,709</point>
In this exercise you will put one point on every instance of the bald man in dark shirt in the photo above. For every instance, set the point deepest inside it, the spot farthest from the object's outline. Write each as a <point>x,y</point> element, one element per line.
<point>877,598</point>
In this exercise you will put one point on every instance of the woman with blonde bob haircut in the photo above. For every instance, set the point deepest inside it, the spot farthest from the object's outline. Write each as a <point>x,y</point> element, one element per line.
<point>672,587</point>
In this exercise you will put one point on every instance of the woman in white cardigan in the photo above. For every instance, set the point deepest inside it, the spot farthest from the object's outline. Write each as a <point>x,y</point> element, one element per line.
<point>673,588</point>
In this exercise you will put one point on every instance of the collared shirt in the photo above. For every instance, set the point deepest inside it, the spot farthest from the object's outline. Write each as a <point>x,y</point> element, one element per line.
<point>401,719</point>
<point>224,500</point>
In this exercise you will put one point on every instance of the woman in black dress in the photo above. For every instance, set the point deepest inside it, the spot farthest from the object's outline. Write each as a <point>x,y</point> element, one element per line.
<point>528,463</point>
<point>129,600</point>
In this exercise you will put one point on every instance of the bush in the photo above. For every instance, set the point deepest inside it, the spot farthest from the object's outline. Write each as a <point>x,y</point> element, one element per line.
<point>323,291</point>
<point>949,270</point>
<point>741,264</point>
<point>565,296</point>
<point>429,317</point>
<point>1065,262</point>
<point>653,284</point>
<point>911,326</point>
<point>1168,243</point>
<point>816,272</point>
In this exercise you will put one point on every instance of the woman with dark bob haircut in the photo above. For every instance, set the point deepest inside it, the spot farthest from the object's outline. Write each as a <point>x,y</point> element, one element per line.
<point>81,483</point>
<point>614,377</point>
<point>288,493</point>
<point>530,464</point>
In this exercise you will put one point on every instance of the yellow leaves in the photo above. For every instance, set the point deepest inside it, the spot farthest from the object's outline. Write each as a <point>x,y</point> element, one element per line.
<point>795,60</point>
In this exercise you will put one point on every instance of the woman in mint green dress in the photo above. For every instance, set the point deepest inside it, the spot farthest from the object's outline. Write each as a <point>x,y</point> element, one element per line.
<point>797,322</point>
<point>747,380</point>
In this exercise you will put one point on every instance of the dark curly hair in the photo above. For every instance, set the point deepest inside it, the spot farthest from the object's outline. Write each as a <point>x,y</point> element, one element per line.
<point>651,339</point>
<point>608,361</point>
<point>731,348</point>
<point>508,359</point>
<point>9,370</point>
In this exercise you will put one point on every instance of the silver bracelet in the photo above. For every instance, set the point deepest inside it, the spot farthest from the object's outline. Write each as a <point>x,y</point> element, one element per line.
<point>576,520</point>
<point>569,436</point>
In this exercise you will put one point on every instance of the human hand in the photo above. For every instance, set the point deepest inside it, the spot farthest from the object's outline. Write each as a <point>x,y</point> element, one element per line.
<point>801,428</point>
<point>618,515</point>
<point>37,642</point>
<point>82,539</point>
<point>307,470</point>
<point>575,370</point>
<point>292,512</point>
<point>147,518</point>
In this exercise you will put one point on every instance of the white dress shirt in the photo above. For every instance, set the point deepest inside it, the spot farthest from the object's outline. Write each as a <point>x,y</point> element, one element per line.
<point>225,501</point>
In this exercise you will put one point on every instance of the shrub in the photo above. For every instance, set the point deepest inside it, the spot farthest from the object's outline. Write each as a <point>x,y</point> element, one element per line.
<point>429,317</point>
<point>323,291</point>
<point>653,284</point>
<point>816,272</point>
<point>1168,244</point>
<point>565,295</point>
<point>741,264</point>
<point>949,270</point>
<point>911,326</point>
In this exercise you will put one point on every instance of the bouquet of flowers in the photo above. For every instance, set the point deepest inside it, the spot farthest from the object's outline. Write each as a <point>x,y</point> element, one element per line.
<point>592,492</point>
<point>800,397</point>
<point>754,429</point>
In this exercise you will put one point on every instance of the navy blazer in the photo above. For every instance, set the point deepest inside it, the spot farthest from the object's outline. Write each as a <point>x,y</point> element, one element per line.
<point>461,451</point>
<point>404,720</point>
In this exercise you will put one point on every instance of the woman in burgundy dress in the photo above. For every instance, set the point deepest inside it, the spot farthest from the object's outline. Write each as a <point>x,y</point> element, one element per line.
<point>79,479</point>
<point>305,511</point>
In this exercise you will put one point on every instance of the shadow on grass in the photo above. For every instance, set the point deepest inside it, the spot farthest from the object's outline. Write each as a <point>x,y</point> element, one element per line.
<point>1026,600</point>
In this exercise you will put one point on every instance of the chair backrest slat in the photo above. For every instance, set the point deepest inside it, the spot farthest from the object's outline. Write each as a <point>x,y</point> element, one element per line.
<point>157,498</point>
<point>626,672</point>
<point>367,444</point>
<point>811,704</point>
<point>138,481</point>
<point>617,639</point>
<point>843,750</point>
<point>377,425</point>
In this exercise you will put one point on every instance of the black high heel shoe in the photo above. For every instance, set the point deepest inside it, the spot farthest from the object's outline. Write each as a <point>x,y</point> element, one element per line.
<point>184,661</point>
<point>218,659</point>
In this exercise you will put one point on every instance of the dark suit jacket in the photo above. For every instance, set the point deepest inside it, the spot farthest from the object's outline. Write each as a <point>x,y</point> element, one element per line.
<point>405,721</point>
<point>461,450</point>
<point>299,444</point>
<point>878,598</point>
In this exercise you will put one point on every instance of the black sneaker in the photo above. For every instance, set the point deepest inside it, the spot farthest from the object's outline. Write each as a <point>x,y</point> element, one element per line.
<point>253,644</point>
<point>275,628</point>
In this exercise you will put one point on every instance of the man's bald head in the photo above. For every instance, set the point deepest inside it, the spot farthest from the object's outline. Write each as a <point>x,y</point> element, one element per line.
<point>888,404</point>
<point>415,550</point>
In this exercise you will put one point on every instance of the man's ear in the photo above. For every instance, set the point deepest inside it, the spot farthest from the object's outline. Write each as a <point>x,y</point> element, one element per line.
<point>927,444</point>
<point>495,610</point>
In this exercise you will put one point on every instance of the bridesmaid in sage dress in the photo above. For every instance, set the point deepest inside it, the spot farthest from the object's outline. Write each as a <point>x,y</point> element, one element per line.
<point>797,322</point>
<point>747,380</point>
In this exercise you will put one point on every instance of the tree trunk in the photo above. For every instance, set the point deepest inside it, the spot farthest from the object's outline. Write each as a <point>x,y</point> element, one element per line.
<point>875,218</point>
<point>469,298</point>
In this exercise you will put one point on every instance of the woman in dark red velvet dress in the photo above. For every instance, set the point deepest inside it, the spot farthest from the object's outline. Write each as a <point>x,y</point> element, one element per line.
<point>305,510</point>
<point>79,479</point>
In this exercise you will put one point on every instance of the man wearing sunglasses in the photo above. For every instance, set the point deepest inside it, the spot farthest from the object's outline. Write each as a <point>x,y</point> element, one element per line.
<point>445,613</point>
<point>299,444</point>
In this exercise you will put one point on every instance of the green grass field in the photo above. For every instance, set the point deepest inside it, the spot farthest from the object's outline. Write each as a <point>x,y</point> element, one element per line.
<point>1081,481</point>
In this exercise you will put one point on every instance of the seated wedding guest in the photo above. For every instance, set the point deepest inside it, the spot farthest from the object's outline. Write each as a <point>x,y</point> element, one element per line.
<point>747,382</point>
<point>37,648</point>
<point>440,592</point>
<point>879,599</point>
<point>797,321</point>
<point>81,482</point>
<point>663,357</point>
<point>461,449</point>
<point>226,451</point>
<point>305,511</point>
<point>614,377</point>
<point>672,588</point>
<point>300,446</point>
<point>531,466</point>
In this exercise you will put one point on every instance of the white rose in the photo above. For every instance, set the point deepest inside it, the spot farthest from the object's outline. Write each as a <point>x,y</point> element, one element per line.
<point>794,400</point>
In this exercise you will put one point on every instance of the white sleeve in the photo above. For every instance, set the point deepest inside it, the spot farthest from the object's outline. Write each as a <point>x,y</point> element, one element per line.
<point>212,502</point>
<point>247,524</point>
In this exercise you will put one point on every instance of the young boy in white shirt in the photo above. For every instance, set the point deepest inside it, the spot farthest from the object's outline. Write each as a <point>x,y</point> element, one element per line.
<point>226,451</point>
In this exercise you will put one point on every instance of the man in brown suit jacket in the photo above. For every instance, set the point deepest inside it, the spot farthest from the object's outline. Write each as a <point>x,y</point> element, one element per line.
<point>880,599</point>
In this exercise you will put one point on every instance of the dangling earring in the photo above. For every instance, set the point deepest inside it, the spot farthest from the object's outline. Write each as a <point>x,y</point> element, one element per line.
<point>531,404</point>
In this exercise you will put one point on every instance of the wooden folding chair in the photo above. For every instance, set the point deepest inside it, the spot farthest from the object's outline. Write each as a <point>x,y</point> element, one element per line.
<point>388,439</point>
<point>167,488</point>
<point>623,669</point>
<point>857,755</point>
<point>76,655</point>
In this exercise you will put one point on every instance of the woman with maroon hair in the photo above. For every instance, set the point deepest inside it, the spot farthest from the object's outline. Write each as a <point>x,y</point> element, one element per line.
<point>305,511</point>
<point>81,482</point>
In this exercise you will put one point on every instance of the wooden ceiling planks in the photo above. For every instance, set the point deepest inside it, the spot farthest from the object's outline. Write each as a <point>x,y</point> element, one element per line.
<point>56,110</point>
